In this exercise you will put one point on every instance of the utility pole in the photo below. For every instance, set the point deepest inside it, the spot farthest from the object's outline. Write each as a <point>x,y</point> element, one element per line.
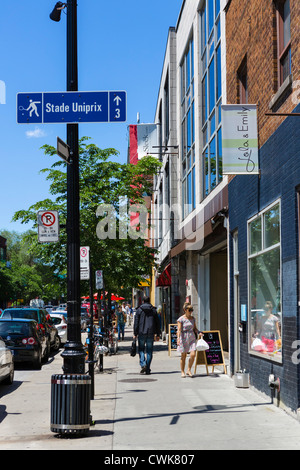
<point>74,354</point>
<point>71,391</point>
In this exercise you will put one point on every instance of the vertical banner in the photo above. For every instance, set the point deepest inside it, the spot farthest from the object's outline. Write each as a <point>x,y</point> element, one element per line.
<point>239,139</point>
<point>142,141</point>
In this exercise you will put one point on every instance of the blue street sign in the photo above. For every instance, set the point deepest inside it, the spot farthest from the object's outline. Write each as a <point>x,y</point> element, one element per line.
<point>71,107</point>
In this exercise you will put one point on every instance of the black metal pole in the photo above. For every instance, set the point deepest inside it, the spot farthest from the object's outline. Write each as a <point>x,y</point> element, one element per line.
<point>74,354</point>
<point>91,335</point>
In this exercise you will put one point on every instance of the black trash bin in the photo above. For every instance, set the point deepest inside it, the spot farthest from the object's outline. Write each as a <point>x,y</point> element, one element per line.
<point>70,403</point>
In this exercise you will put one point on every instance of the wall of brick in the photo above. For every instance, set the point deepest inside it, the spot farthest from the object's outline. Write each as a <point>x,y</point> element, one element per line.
<point>250,31</point>
<point>280,176</point>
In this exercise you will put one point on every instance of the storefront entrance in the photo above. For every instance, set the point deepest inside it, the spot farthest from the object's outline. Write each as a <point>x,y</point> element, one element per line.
<point>218,295</point>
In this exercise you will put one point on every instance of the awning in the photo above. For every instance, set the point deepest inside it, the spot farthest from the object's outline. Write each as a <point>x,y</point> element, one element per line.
<point>165,277</point>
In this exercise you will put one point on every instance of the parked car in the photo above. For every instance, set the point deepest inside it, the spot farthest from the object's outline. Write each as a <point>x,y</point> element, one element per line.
<point>60,322</point>
<point>40,316</point>
<point>84,318</point>
<point>25,340</point>
<point>6,364</point>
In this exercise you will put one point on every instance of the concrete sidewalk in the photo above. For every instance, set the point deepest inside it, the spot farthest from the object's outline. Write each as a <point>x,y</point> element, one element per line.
<point>161,411</point>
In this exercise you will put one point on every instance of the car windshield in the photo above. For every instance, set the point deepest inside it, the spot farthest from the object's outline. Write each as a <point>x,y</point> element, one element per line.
<point>20,313</point>
<point>15,328</point>
<point>56,320</point>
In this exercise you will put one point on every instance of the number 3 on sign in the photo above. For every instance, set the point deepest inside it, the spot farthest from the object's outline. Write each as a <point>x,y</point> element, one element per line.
<point>117,116</point>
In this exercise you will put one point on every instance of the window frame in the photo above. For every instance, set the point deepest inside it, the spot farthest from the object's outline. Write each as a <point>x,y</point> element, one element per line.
<point>188,184</point>
<point>210,67</point>
<point>283,51</point>
<point>253,255</point>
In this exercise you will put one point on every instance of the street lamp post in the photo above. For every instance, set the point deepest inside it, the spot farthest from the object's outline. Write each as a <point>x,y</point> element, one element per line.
<point>71,391</point>
<point>73,355</point>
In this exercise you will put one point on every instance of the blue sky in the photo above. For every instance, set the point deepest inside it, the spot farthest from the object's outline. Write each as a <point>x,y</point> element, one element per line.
<point>121,46</point>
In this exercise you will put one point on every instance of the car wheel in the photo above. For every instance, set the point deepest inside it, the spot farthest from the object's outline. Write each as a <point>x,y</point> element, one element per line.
<point>47,352</point>
<point>38,362</point>
<point>57,343</point>
<point>9,380</point>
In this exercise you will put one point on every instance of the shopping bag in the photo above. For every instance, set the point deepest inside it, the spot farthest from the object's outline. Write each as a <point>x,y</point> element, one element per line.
<point>202,345</point>
<point>133,349</point>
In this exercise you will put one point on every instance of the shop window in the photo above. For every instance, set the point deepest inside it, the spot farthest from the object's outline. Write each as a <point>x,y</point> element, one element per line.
<point>264,255</point>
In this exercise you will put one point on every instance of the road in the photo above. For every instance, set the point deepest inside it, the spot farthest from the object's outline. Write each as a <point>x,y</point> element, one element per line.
<point>156,413</point>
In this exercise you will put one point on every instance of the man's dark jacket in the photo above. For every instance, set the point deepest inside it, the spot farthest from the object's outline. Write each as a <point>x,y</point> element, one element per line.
<point>146,321</point>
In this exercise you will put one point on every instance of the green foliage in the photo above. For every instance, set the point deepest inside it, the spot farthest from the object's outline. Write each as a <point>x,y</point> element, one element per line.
<point>26,276</point>
<point>124,261</point>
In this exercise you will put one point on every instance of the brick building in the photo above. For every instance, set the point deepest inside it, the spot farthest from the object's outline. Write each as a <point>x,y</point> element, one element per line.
<point>262,56</point>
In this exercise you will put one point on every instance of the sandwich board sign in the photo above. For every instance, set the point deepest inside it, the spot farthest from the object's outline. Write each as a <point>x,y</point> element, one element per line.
<point>214,356</point>
<point>48,226</point>
<point>172,337</point>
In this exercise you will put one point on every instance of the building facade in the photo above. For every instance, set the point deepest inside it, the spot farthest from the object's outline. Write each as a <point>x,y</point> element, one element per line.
<point>262,58</point>
<point>190,204</point>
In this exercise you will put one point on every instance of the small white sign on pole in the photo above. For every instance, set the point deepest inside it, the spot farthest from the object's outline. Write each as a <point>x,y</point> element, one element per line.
<point>48,226</point>
<point>84,263</point>
<point>99,280</point>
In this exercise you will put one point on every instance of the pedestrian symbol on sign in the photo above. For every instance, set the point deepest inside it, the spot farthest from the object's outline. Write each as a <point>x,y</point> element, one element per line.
<point>30,108</point>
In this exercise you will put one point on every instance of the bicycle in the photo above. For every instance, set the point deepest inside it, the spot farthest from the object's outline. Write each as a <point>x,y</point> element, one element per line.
<point>98,351</point>
<point>111,341</point>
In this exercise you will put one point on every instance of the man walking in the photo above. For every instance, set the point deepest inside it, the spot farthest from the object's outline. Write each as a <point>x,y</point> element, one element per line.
<point>146,329</point>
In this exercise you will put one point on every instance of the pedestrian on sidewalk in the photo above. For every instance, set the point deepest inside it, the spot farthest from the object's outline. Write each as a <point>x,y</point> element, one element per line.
<point>187,333</point>
<point>120,323</point>
<point>146,329</point>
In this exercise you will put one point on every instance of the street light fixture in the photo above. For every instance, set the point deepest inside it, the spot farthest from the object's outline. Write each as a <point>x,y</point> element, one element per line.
<point>56,12</point>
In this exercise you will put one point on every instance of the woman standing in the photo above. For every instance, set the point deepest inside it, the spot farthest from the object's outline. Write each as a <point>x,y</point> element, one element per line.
<point>186,338</point>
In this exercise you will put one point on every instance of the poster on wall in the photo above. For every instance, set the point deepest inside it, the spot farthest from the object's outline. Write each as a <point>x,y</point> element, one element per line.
<point>239,139</point>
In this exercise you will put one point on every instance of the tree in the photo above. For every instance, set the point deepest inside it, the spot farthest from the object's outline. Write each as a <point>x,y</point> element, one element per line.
<point>103,183</point>
<point>26,277</point>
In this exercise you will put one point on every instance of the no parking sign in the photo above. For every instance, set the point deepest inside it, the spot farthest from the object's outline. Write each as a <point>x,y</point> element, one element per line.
<point>48,226</point>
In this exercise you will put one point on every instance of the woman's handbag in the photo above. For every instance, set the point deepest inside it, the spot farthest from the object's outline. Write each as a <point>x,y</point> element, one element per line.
<point>202,345</point>
<point>133,348</point>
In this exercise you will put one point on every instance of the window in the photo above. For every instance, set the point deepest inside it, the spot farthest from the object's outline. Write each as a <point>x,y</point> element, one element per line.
<point>167,112</point>
<point>188,131</point>
<point>264,255</point>
<point>283,40</point>
<point>242,83</point>
<point>211,82</point>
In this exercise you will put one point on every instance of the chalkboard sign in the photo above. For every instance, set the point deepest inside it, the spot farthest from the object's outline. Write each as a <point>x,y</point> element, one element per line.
<point>172,337</point>
<point>214,355</point>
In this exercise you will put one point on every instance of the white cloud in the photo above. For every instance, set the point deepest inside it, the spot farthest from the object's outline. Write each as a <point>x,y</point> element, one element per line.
<point>36,133</point>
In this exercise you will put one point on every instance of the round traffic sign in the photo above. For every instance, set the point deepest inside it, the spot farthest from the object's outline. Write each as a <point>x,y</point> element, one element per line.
<point>83,252</point>
<point>48,219</point>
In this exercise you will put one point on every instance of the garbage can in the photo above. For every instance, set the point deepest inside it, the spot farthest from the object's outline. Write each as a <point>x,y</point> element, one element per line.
<point>70,403</point>
<point>241,379</point>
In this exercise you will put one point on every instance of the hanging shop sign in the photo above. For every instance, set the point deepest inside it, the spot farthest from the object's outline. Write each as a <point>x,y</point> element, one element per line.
<point>239,139</point>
